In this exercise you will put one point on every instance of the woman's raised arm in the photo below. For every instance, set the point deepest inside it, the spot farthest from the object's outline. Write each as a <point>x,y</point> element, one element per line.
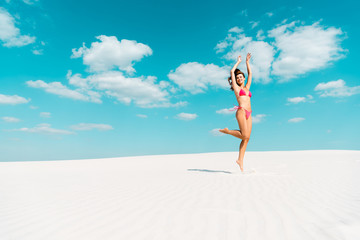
<point>248,83</point>
<point>232,73</point>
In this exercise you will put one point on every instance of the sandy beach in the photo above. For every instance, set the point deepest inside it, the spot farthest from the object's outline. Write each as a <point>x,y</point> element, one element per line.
<point>289,195</point>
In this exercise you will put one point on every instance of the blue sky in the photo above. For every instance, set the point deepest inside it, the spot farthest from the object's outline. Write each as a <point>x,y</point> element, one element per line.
<point>91,79</point>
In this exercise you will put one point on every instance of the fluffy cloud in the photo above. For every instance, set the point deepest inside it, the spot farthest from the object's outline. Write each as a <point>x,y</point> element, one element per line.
<point>102,57</point>
<point>38,51</point>
<point>9,34</point>
<point>196,77</point>
<point>304,48</point>
<point>222,45</point>
<point>258,118</point>
<point>336,89</point>
<point>236,44</point>
<point>30,2</point>
<point>294,50</point>
<point>296,100</point>
<point>110,53</point>
<point>236,30</point>
<point>91,126</point>
<point>143,91</point>
<point>141,115</point>
<point>226,111</point>
<point>260,35</point>
<point>296,120</point>
<point>254,24</point>
<point>45,114</point>
<point>44,128</point>
<point>58,89</point>
<point>11,119</point>
<point>14,99</point>
<point>215,132</point>
<point>186,116</point>
<point>244,13</point>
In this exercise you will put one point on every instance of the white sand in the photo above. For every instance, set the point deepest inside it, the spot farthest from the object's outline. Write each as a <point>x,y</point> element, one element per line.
<point>292,195</point>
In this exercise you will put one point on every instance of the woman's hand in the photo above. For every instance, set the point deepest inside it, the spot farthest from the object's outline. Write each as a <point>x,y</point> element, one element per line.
<point>239,59</point>
<point>234,68</point>
<point>248,56</point>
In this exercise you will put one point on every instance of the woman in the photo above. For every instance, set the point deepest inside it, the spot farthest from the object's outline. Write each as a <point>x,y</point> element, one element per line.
<point>243,113</point>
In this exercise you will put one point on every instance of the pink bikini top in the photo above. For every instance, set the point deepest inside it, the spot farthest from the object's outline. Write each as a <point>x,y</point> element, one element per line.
<point>243,93</point>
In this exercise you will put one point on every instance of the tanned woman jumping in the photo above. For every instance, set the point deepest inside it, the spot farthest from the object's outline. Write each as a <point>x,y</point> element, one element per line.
<point>243,113</point>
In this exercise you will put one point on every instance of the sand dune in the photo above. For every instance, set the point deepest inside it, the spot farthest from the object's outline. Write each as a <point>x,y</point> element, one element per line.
<point>291,195</point>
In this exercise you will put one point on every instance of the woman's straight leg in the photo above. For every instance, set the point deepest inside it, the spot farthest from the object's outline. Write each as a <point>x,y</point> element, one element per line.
<point>245,126</point>
<point>242,149</point>
<point>235,133</point>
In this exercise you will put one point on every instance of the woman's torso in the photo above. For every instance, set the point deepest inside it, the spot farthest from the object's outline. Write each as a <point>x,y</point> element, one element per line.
<point>244,100</point>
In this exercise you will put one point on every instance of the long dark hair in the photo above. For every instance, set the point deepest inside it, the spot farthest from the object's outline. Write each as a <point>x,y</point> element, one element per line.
<point>236,72</point>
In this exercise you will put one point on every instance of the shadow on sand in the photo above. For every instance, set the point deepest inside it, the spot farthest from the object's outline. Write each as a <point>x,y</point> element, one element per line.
<point>211,171</point>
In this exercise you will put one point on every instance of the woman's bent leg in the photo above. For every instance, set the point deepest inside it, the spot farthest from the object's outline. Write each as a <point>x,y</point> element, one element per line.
<point>235,133</point>
<point>245,126</point>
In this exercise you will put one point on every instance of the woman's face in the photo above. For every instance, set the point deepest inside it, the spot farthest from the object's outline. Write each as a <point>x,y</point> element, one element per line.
<point>240,79</point>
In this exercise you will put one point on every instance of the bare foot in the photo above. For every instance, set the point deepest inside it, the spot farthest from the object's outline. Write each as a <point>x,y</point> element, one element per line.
<point>242,169</point>
<point>225,130</point>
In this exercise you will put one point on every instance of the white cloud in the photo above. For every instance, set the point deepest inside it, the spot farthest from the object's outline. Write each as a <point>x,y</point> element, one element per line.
<point>296,100</point>
<point>91,126</point>
<point>215,132</point>
<point>236,30</point>
<point>222,45</point>
<point>304,48</point>
<point>165,105</point>
<point>258,118</point>
<point>141,115</point>
<point>226,111</point>
<point>143,91</point>
<point>236,44</point>
<point>38,51</point>
<point>44,128</point>
<point>336,89</point>
<point>11,119</point>
<point>101,57</point>
<point>244,13</point>
<point>58,89</point>
<point>30,2</point>
<point>186,116</point>
<point>196,77</point>
<point>260,35</point>
<point>296,120</point>
<point>33,107</point>
<point>295,50</point>
<point>269,14</point>
<point>14,99</point>
<point>110,53</point>
<point>9,33</point>
<point>254,24</point>
<point>330,85</point>
<point>45,114</point>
